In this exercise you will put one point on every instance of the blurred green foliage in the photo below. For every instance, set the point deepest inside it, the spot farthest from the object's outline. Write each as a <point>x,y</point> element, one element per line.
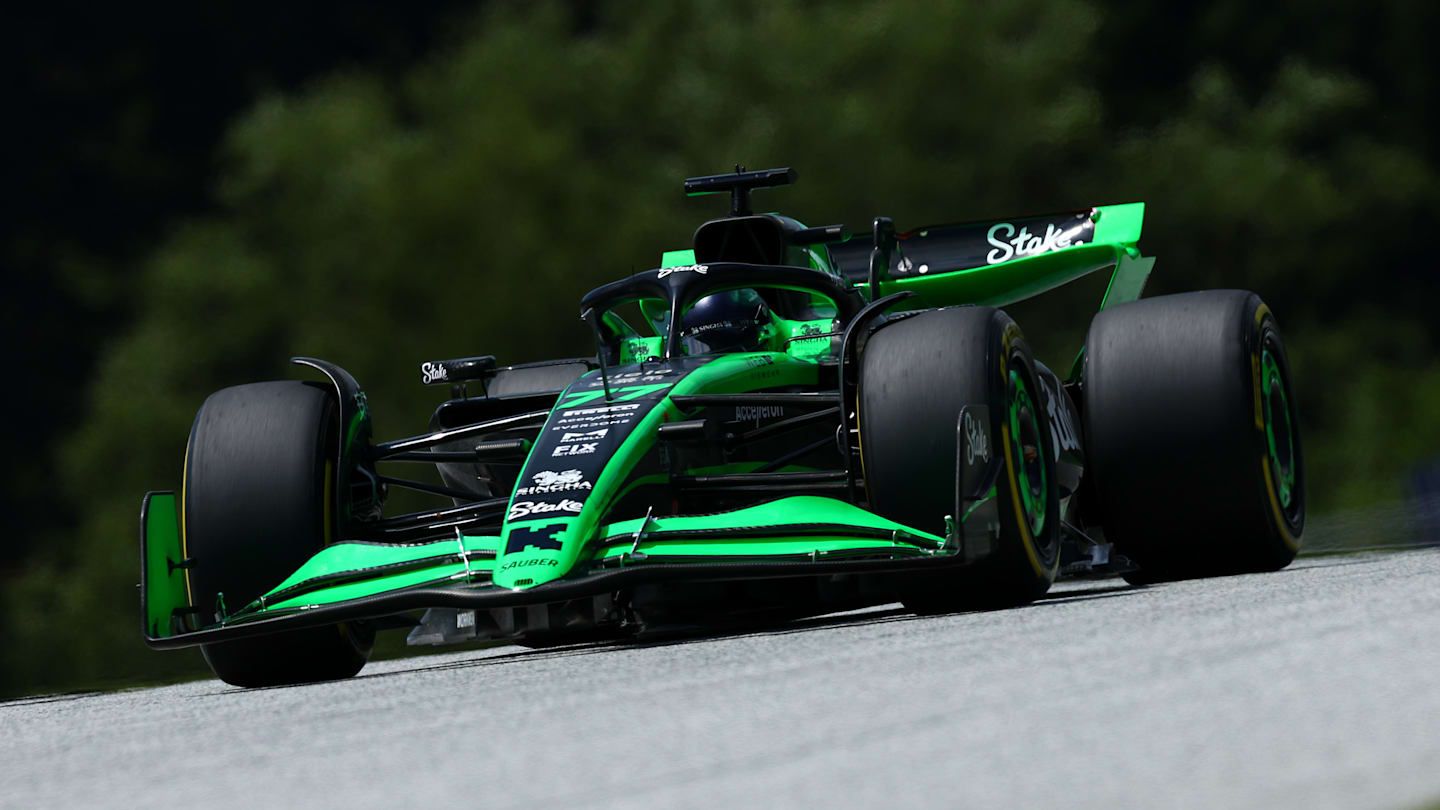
<point>464,206</point>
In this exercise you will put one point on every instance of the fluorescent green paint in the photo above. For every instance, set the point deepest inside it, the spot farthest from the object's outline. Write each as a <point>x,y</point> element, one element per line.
<point>819,546</point>
<point>368,587</point>
<point>623,393</point>
<point>1001,284</point>
<point>677,258</point>
<point>1117,228</point>
<point>792,334</point>
<point>164,583</point>
<point>1280,448</point>
<point>838,516</point>
<point>1032,494</point>
<point>343,557</point>
<point>1119,224</point>
<point>783,512</point>
<point>636,349</point>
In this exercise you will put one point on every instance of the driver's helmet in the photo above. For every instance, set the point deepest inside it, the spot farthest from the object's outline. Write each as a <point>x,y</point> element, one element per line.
<point>730,321</point>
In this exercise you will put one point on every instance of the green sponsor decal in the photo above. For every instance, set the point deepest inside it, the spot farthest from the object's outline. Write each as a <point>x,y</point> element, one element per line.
<point>621,394</point>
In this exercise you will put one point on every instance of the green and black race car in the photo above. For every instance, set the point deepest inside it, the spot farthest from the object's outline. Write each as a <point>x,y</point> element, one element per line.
<point>778,422</point>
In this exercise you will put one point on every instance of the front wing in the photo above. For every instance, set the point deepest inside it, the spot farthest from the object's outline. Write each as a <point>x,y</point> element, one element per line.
<point>788,537</point>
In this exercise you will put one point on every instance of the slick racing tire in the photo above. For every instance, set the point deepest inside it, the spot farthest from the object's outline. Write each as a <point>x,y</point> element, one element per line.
<point>257,499</point>
<point>1191,435</point>
<point>916,373</point>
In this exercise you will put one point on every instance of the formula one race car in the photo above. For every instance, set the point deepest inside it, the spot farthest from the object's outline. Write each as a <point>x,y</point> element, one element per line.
<point>777,422</point>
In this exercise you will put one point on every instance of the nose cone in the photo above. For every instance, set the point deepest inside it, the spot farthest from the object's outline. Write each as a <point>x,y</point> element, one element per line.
<point>587,449</point>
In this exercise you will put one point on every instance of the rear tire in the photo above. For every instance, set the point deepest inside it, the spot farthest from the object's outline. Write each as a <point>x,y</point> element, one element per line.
<point>916,374</point>
<point>257,503</point>
<point>1191,435</point>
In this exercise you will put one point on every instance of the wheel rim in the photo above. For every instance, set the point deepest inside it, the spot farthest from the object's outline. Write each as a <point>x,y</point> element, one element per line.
<point>1279,430</point>
<point>1027,453</point>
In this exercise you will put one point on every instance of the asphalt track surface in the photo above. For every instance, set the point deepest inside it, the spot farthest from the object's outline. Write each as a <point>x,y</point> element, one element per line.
<point>1315,687</point>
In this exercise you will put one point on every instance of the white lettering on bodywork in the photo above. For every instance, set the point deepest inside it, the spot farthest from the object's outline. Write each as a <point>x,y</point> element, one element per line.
<point>1025,243</point>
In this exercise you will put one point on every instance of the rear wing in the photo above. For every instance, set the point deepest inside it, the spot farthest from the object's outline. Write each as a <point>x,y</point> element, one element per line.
<point>999,262</point>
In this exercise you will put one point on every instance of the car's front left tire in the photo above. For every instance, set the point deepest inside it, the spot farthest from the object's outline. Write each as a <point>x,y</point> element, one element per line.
<point>916,373</point>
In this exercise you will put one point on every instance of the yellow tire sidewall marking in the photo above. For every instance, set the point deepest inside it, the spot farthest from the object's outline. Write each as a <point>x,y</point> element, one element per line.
<point>184,534</point>
<point>1027,541</point>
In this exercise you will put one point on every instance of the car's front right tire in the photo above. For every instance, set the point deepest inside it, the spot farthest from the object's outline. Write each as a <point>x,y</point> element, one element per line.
<point>257,501</point>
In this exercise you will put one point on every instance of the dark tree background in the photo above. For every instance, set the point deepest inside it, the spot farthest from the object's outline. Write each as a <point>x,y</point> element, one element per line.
<point>116,117</point>
<point>197,194</point>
